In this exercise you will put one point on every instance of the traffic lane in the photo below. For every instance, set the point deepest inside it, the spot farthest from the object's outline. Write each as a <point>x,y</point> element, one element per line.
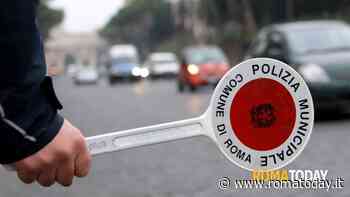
<point>104,108</point>
<point>158,102</point>
<point>162,95</point>
<point>183,168</point>
<point>141,104</point>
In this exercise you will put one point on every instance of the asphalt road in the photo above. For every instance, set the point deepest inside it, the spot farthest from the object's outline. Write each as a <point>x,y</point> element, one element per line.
<point>186,168</point>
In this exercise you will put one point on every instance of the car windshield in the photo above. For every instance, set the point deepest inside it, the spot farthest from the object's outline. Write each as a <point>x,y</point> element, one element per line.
<point>206,55</point>
<point>319,40</point>
<point>123,61</point>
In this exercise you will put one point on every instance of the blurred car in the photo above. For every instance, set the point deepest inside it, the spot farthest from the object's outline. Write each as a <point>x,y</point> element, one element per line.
<point>318,50</point>
<point>124,63</point>
<point>72,69</point>
<point>123,68</point>
<point>201,65</point>
<point>86,76</point>
<point>162,65</point>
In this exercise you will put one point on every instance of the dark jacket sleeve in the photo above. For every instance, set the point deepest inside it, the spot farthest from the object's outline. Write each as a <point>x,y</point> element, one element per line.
<point>28,105</point>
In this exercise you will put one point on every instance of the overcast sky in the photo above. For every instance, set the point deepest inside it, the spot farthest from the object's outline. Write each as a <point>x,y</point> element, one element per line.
<point>86,15</point>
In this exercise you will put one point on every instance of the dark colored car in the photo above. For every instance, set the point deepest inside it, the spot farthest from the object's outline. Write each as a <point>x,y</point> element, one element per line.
<point>201,65</point>
<point>318,50</point>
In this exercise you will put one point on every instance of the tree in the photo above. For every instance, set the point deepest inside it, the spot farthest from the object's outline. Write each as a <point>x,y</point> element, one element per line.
<point>48,18</point>
<point>232,24</point>
<point>144,23</point>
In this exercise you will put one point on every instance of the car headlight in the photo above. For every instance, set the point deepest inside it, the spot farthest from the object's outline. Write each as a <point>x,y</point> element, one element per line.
<point>136,71</point>
<point>314,73</point>
<point>193,69</point>
<point>144,72</point>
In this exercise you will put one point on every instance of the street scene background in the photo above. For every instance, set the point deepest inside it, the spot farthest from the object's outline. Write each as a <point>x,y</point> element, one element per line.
<point>136,69</point>
<point>177,169</point>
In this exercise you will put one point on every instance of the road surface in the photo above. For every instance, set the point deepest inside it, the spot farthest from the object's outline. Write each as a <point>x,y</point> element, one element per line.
<point>186,168</point>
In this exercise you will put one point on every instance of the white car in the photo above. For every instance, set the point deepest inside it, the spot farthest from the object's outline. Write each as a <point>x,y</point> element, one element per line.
<point>73,69</point>
<point>86,76</point>
<point>162,65</point>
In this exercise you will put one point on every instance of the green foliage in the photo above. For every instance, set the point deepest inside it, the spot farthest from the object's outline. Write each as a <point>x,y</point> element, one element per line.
<point>176,43</point>
<point>144,23</point>
<point>48,18</point>
<point>219,12</point>
<point>271,11</point>
<point>149,24</point>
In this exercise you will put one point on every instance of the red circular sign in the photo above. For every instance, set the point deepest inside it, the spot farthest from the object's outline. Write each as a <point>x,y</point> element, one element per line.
<point>263,114</point>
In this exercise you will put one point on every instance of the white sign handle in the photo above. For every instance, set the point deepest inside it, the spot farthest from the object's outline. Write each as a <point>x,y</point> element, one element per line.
<point>145,136</point>
<point>132,138</point>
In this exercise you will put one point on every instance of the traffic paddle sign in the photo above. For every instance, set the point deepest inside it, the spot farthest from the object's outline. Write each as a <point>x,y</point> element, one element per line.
<point>260,116</point>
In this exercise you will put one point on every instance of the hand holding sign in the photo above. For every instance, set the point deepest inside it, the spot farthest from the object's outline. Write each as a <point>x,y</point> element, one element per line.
<point>260,116</point>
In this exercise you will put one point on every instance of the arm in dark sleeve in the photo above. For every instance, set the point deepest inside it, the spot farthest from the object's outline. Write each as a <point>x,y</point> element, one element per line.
<point>27,98</point>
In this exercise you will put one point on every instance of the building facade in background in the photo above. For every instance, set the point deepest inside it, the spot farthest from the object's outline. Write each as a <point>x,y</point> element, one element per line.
<point>68,49</point>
